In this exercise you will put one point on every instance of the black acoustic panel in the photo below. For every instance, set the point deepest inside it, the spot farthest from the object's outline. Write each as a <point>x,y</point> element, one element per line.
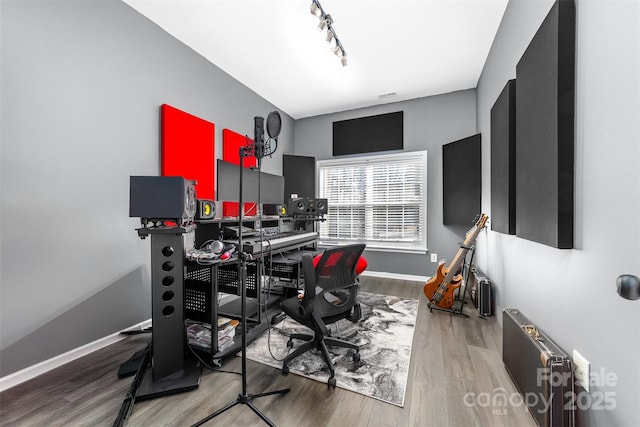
<point>462,181</point>
<point>271,186</point>
<point>503,161</point>
<point>299,176</point>
<point>545,86</point>
<point>383,132</point>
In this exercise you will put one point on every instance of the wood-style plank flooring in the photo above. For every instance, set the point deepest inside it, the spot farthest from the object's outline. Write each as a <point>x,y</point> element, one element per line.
<point>456,378</point>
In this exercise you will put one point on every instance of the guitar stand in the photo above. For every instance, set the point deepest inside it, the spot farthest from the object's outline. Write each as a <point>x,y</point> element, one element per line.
<point>458,305</point>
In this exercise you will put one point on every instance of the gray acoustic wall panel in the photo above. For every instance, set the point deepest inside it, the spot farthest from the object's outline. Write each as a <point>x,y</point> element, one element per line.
<point>545,80</point>
<point>503,161</point>
<point>299,176</point>
<point>462,181</point>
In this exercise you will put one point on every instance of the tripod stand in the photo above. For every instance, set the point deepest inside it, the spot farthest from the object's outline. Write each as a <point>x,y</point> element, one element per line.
<point>244,397</point>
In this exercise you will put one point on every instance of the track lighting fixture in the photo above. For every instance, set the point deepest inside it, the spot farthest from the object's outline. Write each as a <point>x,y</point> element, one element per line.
<point>326,22</point>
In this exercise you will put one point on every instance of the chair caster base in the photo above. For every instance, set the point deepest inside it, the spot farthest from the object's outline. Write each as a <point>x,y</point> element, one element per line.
<point>332,382</point>
<point>356,356</point>
<point>285,370</point>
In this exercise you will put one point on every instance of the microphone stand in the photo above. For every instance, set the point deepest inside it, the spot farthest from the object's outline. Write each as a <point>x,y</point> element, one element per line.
<point>244,397</point>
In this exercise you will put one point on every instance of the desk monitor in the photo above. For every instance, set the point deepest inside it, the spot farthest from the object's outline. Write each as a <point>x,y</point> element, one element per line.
<point>271,186</point>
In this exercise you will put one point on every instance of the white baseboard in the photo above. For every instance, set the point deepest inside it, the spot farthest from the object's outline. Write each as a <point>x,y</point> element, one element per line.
<point>395,276</point>
<point>33,371</point>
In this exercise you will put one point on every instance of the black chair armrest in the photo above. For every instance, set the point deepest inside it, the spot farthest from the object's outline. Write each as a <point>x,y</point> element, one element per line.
<point>309,274</point>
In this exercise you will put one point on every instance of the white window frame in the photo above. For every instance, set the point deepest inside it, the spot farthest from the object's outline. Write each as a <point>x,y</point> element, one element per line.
<point>417,245</point>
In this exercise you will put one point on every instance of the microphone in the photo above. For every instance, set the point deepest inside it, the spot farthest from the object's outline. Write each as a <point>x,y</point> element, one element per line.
<point>258,138</point>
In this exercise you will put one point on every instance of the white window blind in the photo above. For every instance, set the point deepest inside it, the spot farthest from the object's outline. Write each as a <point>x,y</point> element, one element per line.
<point>379,200</point>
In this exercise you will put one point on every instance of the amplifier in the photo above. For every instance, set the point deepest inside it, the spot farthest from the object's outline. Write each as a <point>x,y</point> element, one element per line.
<point>209,209</point>
<point>162,198</point>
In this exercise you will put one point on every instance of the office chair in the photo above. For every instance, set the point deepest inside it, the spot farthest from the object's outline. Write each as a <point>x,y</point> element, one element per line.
<point>330,294</point>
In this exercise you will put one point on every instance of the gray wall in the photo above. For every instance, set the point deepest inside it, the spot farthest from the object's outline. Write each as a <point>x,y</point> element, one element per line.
<point>429,123</point>
<point>571,294</point>
<point>82,83</point>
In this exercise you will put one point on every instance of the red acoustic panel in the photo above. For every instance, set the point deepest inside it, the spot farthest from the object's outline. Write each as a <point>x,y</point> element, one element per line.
<point>231,209</point>
<point>188,149</point>
<point>231,143</point>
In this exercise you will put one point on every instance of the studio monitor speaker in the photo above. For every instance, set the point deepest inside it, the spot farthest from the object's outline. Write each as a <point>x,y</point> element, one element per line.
<point>208,209</point>
<point>274,209</point>
<point>318,206</point>
<point>298,206</point>
<point>162,198</point>
<point>307,207</point>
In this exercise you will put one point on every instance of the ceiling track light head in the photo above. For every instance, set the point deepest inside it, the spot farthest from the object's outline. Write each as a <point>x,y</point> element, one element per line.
<point>330,35</point>
<point>326,22</point>
<point>315,8</point>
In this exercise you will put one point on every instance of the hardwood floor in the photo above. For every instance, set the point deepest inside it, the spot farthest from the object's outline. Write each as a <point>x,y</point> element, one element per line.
<point>456,378</point>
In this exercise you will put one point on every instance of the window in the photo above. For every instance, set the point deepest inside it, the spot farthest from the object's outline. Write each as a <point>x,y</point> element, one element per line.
<point>379,200</point>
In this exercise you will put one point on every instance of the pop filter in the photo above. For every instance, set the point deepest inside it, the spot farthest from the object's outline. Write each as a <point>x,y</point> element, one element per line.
<point>274,122</point>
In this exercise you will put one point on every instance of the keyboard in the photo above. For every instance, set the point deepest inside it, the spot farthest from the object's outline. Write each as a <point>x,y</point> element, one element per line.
<point>278,241</point>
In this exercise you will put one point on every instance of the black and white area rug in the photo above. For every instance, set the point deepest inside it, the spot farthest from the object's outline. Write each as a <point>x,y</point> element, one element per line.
<point>384,334</point>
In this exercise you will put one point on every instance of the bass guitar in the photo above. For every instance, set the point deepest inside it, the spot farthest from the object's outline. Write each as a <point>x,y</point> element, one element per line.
<point>440,288</point>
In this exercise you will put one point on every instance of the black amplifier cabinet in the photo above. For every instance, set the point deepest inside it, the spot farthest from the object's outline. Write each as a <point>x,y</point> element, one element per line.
<point>163,198</point>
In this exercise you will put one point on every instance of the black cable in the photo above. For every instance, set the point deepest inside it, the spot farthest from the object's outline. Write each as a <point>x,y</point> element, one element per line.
<point>206,365</point>
<point>269,343</point>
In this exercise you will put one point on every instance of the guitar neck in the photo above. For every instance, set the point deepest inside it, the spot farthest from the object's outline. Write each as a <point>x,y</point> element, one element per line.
<point>455,264</point>
<point>460,256</point>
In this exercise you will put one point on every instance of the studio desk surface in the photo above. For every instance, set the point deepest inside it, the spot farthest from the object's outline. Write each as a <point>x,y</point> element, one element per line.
<point>213,289</point>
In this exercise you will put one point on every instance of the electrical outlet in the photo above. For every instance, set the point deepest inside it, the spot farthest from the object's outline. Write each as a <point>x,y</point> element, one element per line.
<point>434,257</point>
<point>581,370</point>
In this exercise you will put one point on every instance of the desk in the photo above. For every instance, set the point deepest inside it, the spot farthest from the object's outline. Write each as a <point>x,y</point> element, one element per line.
<point>204,282</point>
<point>183,289</point>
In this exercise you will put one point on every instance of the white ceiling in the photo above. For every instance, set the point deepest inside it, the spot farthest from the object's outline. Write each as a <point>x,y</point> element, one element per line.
<point>396,49</point>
